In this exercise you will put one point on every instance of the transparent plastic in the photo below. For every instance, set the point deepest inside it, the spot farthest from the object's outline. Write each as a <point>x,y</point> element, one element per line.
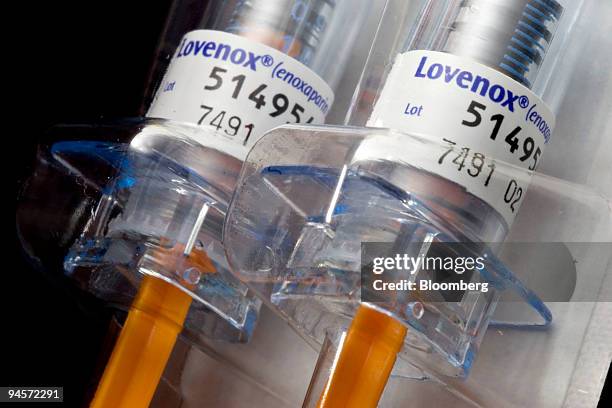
<point>315,32</point>
<point>61,208</point>
<point>140,208</point>
<point>297,221</point>
<point>494,33</point>
<point>562,366</point>
<point>538,365</point>
<point>309,212</point>
<point>120,206</point>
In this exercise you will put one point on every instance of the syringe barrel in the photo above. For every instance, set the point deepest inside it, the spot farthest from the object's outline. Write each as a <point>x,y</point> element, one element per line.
<point>508,35</point>
<point>318,33</point>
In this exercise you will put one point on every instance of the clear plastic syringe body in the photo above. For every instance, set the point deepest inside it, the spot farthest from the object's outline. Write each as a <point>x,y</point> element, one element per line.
<point>305,42</point>
<point>475,75</point>
<point>296,28</point>
<point>242,67</point>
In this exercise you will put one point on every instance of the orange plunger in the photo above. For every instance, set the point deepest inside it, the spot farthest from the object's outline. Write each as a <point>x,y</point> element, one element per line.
<point>138,360</point>
<point>364,361</point>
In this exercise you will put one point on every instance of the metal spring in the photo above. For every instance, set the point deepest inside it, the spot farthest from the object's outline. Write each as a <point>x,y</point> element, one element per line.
<point>525,48</point>
<point>511,36</point>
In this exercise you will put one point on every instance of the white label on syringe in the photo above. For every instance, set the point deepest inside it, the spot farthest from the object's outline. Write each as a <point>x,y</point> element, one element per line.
<point>482,115</point>
<point>239,88</point>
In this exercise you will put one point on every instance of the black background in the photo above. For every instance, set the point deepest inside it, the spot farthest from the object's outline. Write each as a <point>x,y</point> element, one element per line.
<point>74,61</point>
